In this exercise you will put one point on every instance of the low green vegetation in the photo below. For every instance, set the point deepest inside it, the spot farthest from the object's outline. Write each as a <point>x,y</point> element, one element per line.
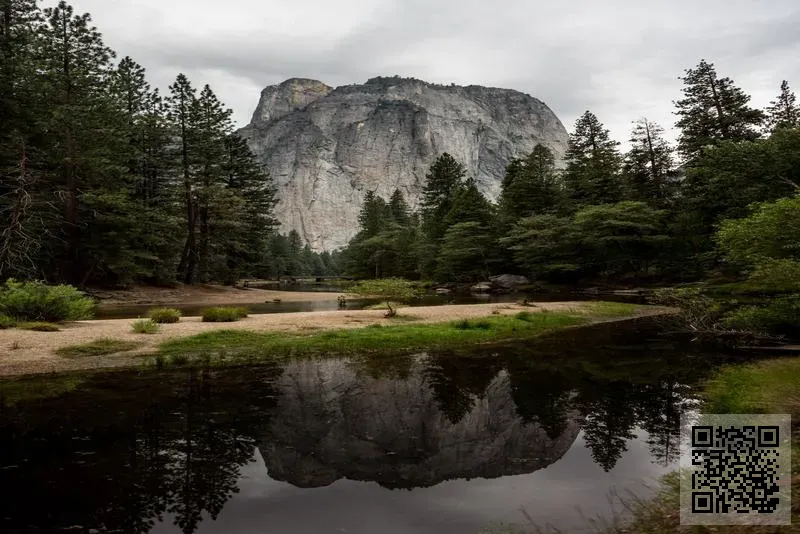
<point>145,326</point>
<point>37,301</point>
<point>99,347</point>
<point>164,315</point>
<point>768,386</point>
<point>238,346</point>
<point>6,322</point>
<point>390,289</point>
<point>38,326</point>
<point>224,315</point>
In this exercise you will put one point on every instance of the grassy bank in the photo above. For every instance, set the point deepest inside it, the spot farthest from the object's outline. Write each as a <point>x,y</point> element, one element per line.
<point>234,346</point>
<point>240,346</point>
<point>770,386</point>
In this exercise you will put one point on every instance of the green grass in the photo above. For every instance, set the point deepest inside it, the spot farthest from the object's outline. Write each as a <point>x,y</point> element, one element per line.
<point>164,315</point>
<point>223,315</point>
<point>39,326</point>
<point>98,347</point>
<point>767,386</point>
<point>145,326</point>
<point>245,346</point>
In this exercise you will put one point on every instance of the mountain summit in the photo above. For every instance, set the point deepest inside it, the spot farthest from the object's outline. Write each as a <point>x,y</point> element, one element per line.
<point>327,147</point>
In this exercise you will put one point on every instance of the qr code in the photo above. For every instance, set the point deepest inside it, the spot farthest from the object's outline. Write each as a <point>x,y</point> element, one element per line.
<point>735,469</point>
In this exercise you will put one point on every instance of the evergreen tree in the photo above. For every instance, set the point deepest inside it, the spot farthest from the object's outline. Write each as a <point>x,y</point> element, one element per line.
<point>443,180</point>
<point>713,109</point>
<point>783,112</point>
<point>469,205</point>
<point>465,253</point>
<point>181,105</point>
<point>530,186</point>
<point>81,132</point>
<point>21,231</point>
<point>648,163</point>
<point>398,208</point>
<point>593,164</point>
<point>374,214</point>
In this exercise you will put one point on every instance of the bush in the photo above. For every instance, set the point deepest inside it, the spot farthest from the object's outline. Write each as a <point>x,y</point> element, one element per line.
<point>145,326</point>
<point>39,326</point>
<point>6,322</point>
<point>164,315</point>
<point>465,324</point>
<point>36,301</point>
<point>223,315</point>
<point>780,316</point>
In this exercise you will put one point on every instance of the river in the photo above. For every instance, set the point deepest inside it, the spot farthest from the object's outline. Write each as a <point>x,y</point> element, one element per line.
<point>454,442</point>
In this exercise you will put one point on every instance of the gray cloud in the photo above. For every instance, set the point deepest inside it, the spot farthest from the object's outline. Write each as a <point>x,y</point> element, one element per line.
<point>621,59</point>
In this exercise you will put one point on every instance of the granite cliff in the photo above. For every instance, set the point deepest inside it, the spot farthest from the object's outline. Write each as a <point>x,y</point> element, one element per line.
<point>326,147</point>
<point>331,423</point>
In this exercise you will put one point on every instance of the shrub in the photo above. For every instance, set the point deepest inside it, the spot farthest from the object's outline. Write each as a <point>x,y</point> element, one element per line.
<point>780,316</point>
<point>164,315</point>
<point>6,322</point>
<point>465,324</point>
<point>223,315</point>
<point>388,289</point>
<point>145,326</point>
<point>36,301</point>
<point>39,326</point>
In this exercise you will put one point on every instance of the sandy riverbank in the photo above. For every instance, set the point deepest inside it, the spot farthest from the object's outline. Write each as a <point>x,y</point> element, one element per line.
<point>25,352</point>
<point>210,295</point>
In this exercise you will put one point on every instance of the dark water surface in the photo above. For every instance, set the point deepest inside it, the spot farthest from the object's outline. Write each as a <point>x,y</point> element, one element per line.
<point>444,442</point>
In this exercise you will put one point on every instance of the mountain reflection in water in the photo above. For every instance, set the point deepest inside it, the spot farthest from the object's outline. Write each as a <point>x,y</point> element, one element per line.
<point>131,452</point>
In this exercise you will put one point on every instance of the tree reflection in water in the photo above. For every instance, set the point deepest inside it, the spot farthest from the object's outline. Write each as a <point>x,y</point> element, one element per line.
<point>126,450</point>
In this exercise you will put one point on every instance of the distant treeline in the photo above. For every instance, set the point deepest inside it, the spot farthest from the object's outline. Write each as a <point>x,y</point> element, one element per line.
<point>105,181</point>
<point>607,217</point>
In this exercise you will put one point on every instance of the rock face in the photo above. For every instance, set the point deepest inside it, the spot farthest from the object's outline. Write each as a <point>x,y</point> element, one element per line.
<point>327,147</point>
<point>331,423</point>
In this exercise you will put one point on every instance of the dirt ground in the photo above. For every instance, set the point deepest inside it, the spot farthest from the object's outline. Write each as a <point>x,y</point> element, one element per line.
<point>202,294</point>
<point>27,352</point>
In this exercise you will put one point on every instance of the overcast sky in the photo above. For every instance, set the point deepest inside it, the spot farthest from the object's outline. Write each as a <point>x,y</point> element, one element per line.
<point>620,59</point>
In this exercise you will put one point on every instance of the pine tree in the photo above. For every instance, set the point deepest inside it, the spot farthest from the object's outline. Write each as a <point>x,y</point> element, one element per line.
<point>374,214</point>
<point>398,208</point>
<point>21,105</point>
<point>593,164</point>
<point>181,106</point>
<point>783,112</point>
<point>214,126</point>
<point>648,163</point>
<point>713,109</point>
<point>469,205</point>
<point>443,180</point>
<point>530,186</point>
<point>81,129</point>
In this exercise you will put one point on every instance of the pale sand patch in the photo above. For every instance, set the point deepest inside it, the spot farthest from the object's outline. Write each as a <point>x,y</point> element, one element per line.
<point>34,352</point>
<point>202,295</point>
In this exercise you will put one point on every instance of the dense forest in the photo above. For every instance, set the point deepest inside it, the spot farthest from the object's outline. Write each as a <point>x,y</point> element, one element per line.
<point>103,180</point>
<point>645,216</point>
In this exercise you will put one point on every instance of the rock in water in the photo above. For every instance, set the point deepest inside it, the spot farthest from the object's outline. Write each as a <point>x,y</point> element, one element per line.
<point>325,147</point>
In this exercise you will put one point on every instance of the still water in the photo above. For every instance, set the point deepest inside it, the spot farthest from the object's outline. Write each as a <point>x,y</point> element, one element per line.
<point>444,442</point>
